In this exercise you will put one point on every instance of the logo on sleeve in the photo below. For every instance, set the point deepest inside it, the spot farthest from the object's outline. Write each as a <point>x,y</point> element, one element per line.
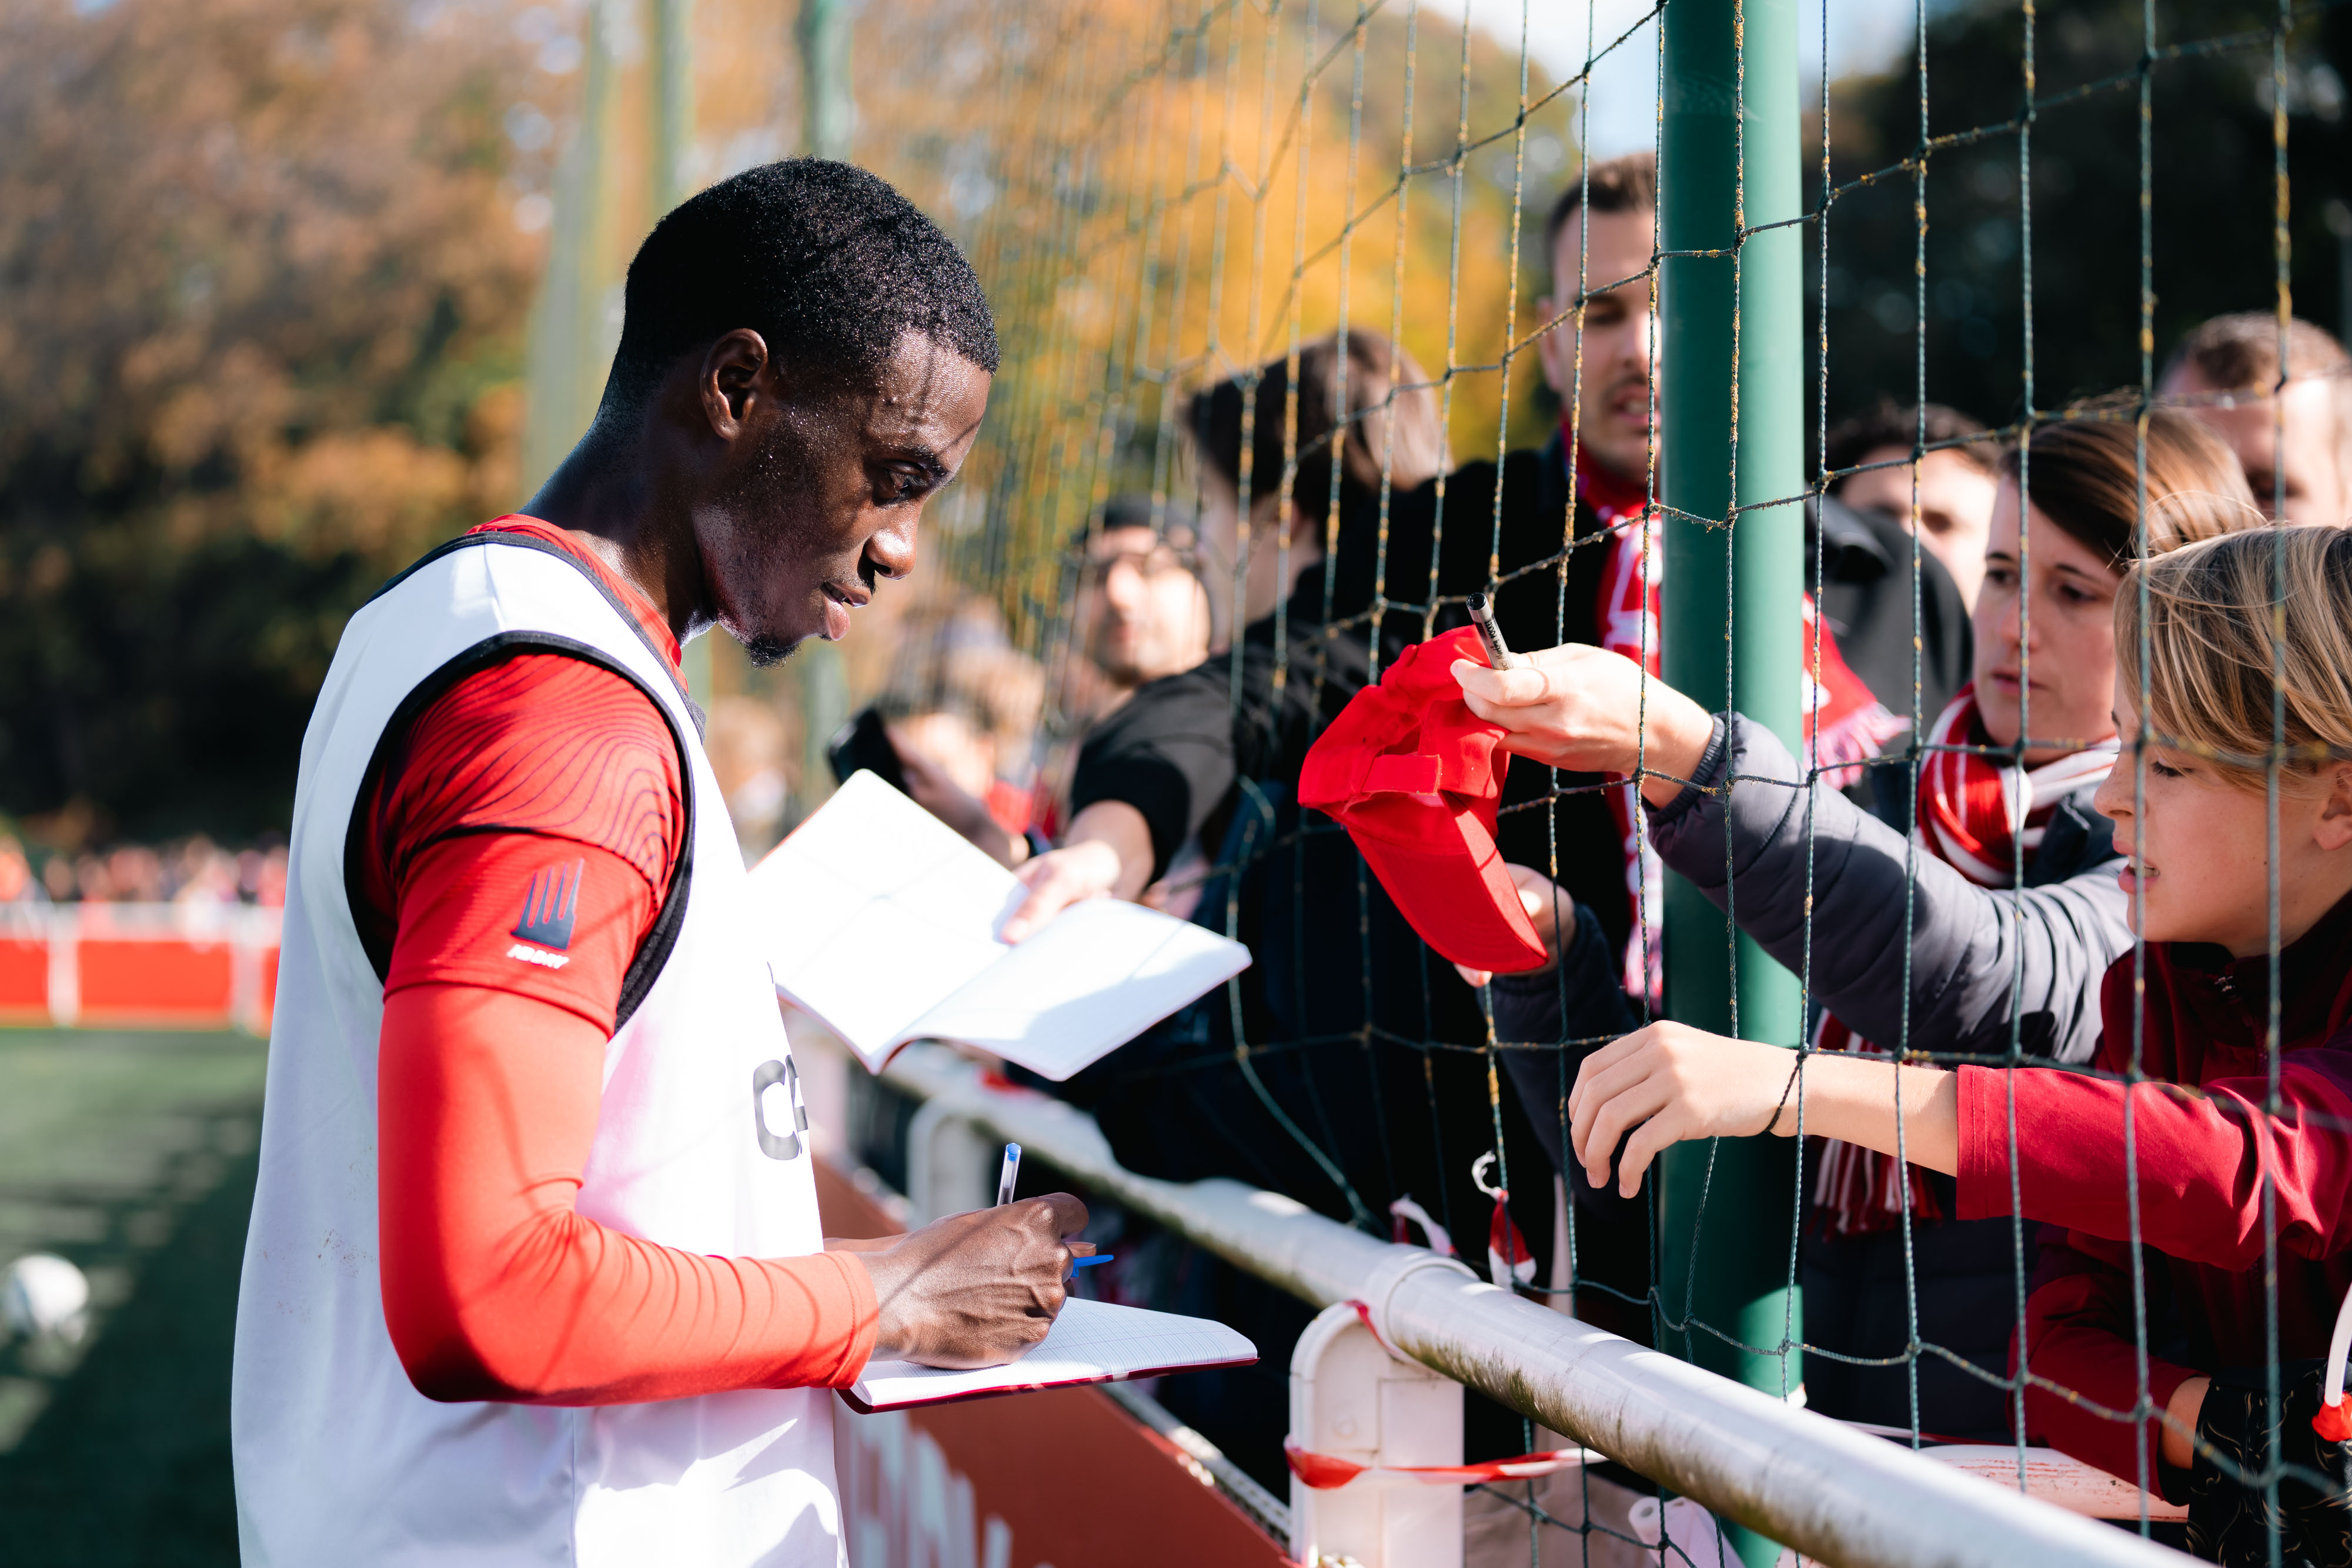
<point>549,906</point>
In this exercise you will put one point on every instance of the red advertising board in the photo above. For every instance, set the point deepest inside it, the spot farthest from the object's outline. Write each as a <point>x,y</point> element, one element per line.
<point>1059,1479</point>
<point>23,979</point>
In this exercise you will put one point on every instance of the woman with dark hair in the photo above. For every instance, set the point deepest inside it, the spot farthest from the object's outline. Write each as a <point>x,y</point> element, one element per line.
<point>2014,909</point>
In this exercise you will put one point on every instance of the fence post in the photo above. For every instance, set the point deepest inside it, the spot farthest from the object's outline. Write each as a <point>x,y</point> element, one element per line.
<point>1351,1399</point>
<point>1732,397</point>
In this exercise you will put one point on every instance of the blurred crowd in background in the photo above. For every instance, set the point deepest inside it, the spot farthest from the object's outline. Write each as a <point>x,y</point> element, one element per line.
<point>192,869</point>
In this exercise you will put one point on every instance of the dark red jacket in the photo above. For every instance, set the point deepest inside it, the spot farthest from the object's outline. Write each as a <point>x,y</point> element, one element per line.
<point>2200,1153</point>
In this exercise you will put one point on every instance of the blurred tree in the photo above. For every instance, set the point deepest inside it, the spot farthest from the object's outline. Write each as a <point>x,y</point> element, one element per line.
<point>262,278</point>
<point>1160,193</point>
<point>2212,194</point>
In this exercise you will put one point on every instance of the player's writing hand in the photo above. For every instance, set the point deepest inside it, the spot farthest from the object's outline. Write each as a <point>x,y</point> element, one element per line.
<point>978,1289</point>
<point>1549,909</point>
<point>1667,1082</point>
<point>1584,708</point>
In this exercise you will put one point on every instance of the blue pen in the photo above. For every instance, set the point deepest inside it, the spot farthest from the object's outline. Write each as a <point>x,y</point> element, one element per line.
<point>1006,1177</point>
<point>1088,1262</point>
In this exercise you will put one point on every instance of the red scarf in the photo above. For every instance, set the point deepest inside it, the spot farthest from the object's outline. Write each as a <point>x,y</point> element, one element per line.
<point>1844,724</point>
<point>1977,814</point>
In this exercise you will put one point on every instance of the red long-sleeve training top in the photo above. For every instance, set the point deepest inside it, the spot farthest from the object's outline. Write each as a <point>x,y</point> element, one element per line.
<point>490,1071</point>
<point>2200,1153</point>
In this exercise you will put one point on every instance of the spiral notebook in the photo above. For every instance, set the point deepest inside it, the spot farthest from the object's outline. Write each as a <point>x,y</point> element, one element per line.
<point>1091,1341</point>
<point>881,921</point>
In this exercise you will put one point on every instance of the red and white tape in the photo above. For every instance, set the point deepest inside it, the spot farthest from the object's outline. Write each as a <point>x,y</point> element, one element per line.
<point>1325,1471</point>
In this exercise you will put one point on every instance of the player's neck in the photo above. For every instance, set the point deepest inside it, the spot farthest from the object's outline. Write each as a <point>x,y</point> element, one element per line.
<point>620,498</point>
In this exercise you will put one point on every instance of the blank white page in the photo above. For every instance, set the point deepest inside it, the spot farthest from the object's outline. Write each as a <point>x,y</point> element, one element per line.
<point>1091,1341</point>
<point>1097,976</point>
<point>874,911</point>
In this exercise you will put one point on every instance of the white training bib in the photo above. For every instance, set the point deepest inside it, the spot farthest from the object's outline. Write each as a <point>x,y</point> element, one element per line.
<point>699,1146</point>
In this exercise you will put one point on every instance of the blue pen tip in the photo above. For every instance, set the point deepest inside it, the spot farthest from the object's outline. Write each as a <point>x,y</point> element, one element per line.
<point>1076,1263</point>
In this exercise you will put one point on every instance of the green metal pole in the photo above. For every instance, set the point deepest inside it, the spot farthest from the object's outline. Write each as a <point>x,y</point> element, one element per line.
<point>564,373</point>
<point>673,139</point>
<point>673,101</point>
<point>1732,395</point>
<point>828,111</point>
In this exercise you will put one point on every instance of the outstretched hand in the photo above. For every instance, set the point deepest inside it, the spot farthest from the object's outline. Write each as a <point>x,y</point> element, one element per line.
<point>1059,878</point>
<point>1667,1082</point>
<point>1108,854</point>
<point>978,1289</point>
<point>1587,709</point>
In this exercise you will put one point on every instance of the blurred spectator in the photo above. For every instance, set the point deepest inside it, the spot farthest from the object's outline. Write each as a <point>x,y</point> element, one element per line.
<point>204,873</point>
<point>1861,532</point>
<point>1373,401</point>
<point>963,706</point>
<point>2226,372</point>
<point>1599,360</point>
<point>1955,484</point>
<point>17,883</point>
<point>1142,610</point>
<point>747,742</point>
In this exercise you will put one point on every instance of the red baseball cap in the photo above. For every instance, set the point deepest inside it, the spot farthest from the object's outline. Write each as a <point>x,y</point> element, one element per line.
<point>1414,777</point>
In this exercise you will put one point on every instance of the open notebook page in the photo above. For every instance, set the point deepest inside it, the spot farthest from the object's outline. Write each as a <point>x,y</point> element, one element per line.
<point>874,911</point>
<point>1097,976</point>
<point>1091,1341</point>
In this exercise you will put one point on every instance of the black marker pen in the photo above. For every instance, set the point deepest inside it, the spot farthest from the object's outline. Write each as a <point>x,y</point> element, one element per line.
<point>1499,653</point>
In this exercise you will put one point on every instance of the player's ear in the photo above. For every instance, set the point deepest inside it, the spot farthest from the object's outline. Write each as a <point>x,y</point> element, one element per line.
<point>731,380</point>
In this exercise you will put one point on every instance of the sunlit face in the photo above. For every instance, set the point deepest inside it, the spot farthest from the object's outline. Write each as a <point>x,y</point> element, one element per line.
<point>2196,845</point>
<point>1145,612</point>
<point>821,495</point>
<point>2304,462</point>
<point>1613,392</point>
<point>2045,635</point>
<point>1956,503</point>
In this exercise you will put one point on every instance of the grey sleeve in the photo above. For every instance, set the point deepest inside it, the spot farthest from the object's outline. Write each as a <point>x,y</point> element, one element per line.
<point>1975,955</point>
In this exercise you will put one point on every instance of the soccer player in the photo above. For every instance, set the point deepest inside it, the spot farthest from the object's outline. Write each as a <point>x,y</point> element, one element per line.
<point>535,1272</point>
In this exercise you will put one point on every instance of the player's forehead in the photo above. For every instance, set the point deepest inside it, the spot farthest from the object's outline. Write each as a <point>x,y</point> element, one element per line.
<point>924,392</point>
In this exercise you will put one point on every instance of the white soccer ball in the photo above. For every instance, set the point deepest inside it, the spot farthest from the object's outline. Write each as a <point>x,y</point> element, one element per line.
<point>42,1293</point>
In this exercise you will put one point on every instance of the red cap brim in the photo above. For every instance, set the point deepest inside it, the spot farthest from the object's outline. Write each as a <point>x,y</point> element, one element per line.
<point>1458,897</point>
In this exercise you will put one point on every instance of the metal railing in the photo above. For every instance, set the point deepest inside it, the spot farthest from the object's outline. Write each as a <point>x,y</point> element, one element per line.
<point>1832,1492</point>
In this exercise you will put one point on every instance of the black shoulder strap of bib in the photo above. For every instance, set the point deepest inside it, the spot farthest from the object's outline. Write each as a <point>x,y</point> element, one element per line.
<point>654,951</point>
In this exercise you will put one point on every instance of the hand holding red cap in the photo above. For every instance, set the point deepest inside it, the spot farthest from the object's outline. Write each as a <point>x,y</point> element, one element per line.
<point>1414,777</point>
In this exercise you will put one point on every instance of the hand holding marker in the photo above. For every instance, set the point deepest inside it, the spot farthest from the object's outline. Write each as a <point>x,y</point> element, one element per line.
<point>1007,1175</point>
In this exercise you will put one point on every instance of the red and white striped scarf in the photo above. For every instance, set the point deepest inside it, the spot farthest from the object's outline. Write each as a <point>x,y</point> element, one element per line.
<point>1844,723</point>
<point>1976,813</point>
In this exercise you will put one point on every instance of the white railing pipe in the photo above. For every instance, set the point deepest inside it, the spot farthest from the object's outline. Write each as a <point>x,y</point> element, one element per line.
<point>1835,1494</point>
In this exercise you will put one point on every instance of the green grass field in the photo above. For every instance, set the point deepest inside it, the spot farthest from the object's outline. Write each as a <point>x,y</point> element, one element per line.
<point>131,1153</point>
